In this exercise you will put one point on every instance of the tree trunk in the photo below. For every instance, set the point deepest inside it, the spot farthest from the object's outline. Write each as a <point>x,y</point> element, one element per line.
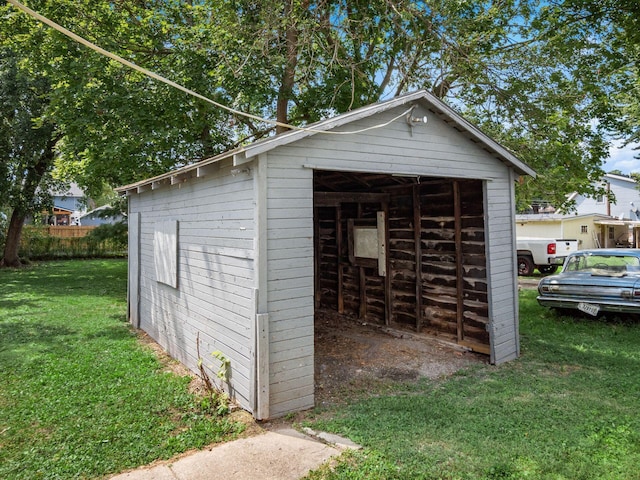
<point>10,257</point>
<point>20,210</point>
<point>288,76</point>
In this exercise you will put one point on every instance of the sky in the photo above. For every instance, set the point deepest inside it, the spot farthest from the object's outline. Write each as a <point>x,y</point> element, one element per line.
<point>622,159</point>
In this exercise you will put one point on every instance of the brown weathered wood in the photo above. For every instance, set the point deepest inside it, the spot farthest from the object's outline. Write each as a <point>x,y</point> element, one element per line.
<point>363,294</point>
<point>459,266</point>
<point>334,199</point>
<point>340,269</point>
<point>436,272</point>
<point>316,259</point>
<point>417,233</point>
<point>388,312</point>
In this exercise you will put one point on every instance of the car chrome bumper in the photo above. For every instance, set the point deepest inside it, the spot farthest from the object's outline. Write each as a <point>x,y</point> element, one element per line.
<point>619,306</point>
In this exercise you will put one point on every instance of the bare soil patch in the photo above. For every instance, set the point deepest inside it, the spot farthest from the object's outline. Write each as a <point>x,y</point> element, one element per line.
<point>353,356</point>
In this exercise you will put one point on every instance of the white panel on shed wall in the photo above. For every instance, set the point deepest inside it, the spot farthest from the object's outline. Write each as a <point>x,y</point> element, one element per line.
<point>165,252</point>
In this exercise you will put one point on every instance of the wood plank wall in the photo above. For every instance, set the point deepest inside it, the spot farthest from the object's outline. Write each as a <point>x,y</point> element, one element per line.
<point>441,223</point>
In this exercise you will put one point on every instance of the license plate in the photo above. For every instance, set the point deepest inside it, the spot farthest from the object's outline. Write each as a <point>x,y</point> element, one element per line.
<point>589,308</point>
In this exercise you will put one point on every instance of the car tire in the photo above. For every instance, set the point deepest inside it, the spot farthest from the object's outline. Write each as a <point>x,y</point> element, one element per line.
<point>525,266</point>
<point>547,269</point>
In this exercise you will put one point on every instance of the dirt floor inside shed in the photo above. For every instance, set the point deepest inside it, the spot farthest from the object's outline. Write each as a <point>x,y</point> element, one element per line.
<point>352,356</point>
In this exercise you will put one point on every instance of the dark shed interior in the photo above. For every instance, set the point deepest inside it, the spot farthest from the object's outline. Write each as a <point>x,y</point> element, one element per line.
<point>405,252</point>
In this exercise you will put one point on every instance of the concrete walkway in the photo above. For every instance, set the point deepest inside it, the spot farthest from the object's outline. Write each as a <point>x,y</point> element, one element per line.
<point>280,454</point>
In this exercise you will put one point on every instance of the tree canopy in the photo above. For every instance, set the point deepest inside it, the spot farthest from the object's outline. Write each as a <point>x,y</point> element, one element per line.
<point>554,81</point>
<point>27,140</point>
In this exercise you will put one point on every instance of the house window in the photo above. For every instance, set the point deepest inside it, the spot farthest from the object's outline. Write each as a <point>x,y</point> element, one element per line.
<point>584,229</point>
<point>600,199</point>
<point>611,233</point>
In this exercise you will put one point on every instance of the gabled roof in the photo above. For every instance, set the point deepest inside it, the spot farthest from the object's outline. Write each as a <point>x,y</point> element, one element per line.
<point>420,97</point>
<point>96,211</point>
<point>613,176</point>
<point>61,210</point>
<point>603,180</point>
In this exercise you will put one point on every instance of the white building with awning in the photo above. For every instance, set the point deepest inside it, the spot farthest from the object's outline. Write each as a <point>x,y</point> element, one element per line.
<point>592,230</point>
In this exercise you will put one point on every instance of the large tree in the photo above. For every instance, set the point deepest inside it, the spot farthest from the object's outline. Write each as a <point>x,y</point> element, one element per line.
<point>545,78</point>
<point>28,138</point>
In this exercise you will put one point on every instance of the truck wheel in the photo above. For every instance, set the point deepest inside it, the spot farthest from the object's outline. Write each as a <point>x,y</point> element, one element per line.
<point>525,266</point>
<point>547,269</point>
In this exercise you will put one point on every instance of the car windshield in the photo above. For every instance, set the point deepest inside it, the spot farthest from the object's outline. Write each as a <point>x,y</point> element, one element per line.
<point>603,264</point>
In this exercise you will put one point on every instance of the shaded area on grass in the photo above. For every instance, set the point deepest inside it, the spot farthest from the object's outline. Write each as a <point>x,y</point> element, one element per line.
<point>566,409</point>
<point>79,395</point>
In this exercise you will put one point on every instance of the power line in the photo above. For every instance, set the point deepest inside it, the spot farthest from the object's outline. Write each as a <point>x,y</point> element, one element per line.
<point>173,84</point>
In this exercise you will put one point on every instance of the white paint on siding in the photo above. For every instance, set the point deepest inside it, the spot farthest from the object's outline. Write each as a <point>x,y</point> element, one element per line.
<point>435,150</point>
<point>165,252</point>
<point>219,239</point>
<point>214,299</point>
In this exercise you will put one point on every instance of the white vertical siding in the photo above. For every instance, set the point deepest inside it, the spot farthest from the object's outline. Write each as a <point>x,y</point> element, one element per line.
<point>214,295</point>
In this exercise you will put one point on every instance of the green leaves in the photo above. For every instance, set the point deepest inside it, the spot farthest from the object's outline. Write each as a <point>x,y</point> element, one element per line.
<point>552,81</point>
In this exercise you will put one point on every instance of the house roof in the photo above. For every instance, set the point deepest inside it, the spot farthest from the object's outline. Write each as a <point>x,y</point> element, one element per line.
<point>605,177</point>
<point>619,177</point>
<point>61,210</point>
<point>95,211</point>
<point>420,97</point>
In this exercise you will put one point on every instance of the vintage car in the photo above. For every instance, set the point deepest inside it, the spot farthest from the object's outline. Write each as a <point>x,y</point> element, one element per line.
<point>594,281</point>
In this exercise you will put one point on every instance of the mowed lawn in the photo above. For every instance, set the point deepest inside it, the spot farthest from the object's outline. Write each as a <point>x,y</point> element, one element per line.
<point>568,408</point>
<point>80,396</point>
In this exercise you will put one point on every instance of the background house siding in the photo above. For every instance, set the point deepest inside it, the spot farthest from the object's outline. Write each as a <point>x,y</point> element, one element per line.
<point>626,204</point>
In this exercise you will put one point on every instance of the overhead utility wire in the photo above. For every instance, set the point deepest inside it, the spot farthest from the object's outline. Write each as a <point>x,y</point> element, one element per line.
<point>162,79</point>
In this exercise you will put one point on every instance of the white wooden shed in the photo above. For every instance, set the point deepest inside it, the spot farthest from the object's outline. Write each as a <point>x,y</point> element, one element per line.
<point>401,213</point>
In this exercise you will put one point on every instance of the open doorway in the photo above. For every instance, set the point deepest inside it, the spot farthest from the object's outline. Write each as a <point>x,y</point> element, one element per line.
<point>405,255</point>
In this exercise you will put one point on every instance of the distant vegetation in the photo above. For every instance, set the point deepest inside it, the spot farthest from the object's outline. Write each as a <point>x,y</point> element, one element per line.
<point>103,241</point>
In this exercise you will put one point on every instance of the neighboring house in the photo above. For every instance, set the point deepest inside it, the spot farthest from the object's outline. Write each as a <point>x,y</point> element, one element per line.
<point>95,217</point>
<point>596,222</point>
<point>627,199</point>
<point>238,252</point>
<point>591,230</point>
<point>68,205</point>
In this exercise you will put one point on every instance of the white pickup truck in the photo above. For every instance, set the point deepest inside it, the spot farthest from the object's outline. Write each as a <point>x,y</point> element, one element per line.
<point>545,254</point>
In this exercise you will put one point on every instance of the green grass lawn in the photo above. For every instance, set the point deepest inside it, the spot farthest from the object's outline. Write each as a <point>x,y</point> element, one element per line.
<point>80,397</point>
<point>567,409</point>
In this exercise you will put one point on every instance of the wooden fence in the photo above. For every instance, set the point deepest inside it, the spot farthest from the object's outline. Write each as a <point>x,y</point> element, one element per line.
<point>57,241</point>
<point>71,231</point>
